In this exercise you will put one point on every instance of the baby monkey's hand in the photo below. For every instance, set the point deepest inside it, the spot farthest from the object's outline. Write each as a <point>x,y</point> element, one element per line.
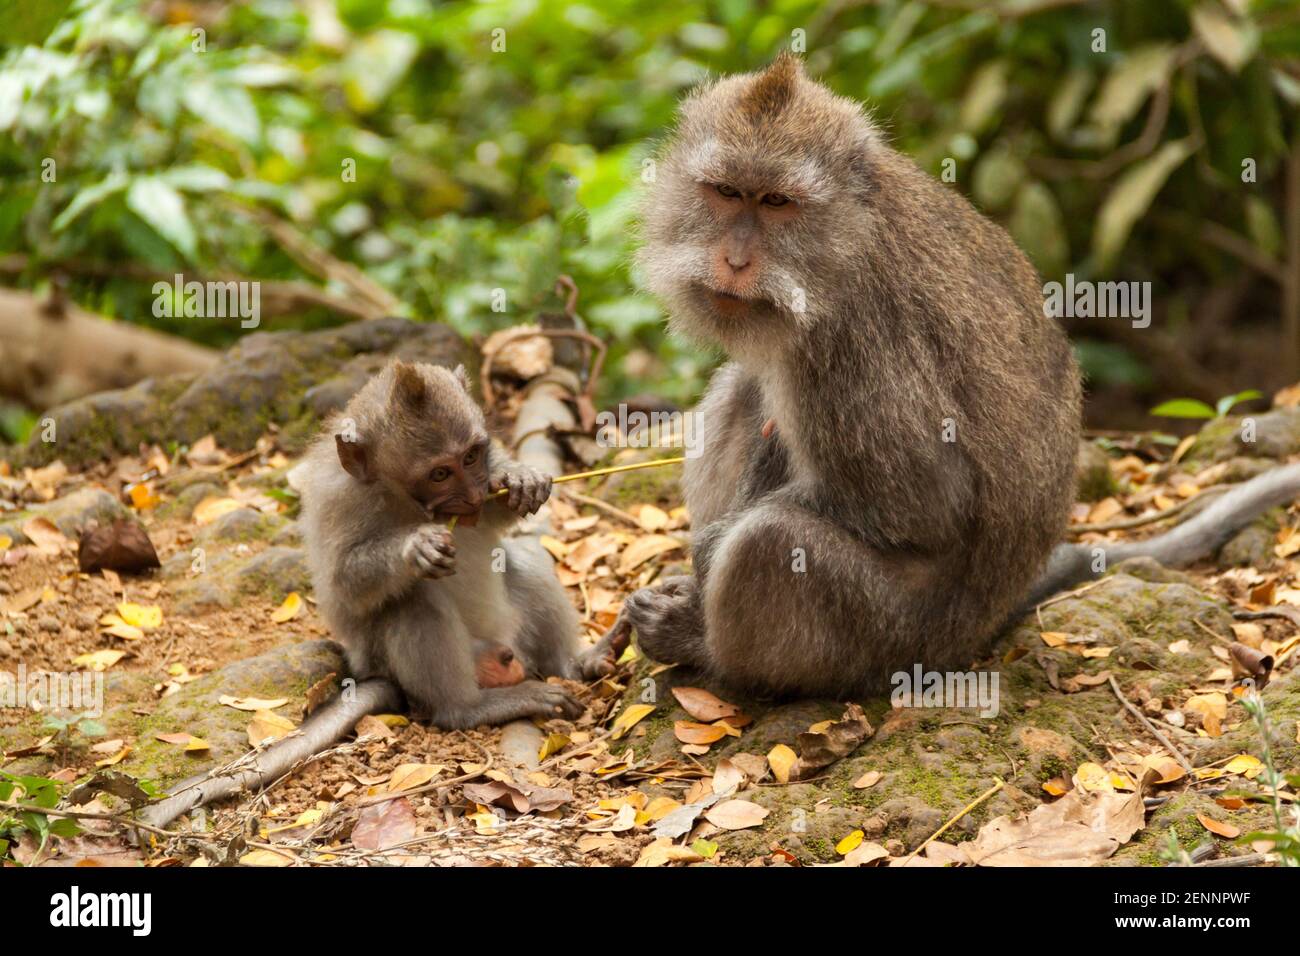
<point>526,488</point>
<point>430,551</point>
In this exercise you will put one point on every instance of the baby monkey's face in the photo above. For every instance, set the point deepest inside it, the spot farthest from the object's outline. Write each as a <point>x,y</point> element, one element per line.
<point>453,482</point>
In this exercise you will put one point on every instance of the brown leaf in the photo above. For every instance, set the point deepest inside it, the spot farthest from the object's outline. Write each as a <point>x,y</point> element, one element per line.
<point>42,533</point>
<point>689,732</point>
<point>1081,828</point>
<point>518,795</point>
<point>1218,827</point>
<point>121,546</point>
<point>643,549</point>
<point>839,739</point>
<point>383,825</point>
<point>702,705</point>
<point>1252,663</point>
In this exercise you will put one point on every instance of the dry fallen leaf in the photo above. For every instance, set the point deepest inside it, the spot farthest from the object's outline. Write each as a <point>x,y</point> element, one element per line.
<point>689,732</point>
<point>383,825</point>
<point>122,546</point>
<point>626,720</point>
<point>736,814</point>
<point>99,660</point>
<point>210,509</point>
<point>702,705</point>
<point>781,759</point>
<point>643,549</point>
<point>1218,827</point>
<point>411,775</point>
<point>267,725</point>
<point>252,703</point>
<point>867,780</point>
<point>141,616</point>
<point>289,609</point>
<point>189,741</point>
<point>44,535</point>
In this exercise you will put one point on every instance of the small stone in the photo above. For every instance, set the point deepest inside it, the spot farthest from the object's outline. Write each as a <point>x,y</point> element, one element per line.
<point>1174,718</point>
<point>874,826</point>
<point>6,649</point>
<point>49,624</point>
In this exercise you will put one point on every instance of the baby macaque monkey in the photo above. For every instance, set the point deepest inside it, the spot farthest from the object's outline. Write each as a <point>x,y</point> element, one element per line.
<point>419,603</point>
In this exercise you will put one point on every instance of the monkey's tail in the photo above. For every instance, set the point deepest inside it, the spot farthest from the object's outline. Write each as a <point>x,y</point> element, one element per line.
<point>1192,540</point>
<point>322,730</point>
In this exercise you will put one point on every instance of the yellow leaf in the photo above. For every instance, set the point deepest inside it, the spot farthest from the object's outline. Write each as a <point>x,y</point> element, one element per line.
<point>267,725</point>
<point>142,497</point>
<point>113,758</point>
<point>307,818</point>
<point>630,717</point>
<point>113,624</point>
<point>1054,638</point>
<point>485,824</point>
<point>411,775</point>
<point>849,843</point>
<point>820,726</point>
<point>553,744</point>
<point>267,858</point>
<point>781,759</point>
<point>393,720</point>
<point>1093,777</point>
<point>557,548</point>
<point>657,809</point>
<point>210,509</point>
<point>289,609</point>
<point>5,541</point>
<point>651,518</point>
<point>99,660</point>
<point>1244,764</point>
<point>140,615</point>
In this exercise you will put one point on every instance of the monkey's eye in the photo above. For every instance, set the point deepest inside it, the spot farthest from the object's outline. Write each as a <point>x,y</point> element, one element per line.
<point>440,474</point>
<point>775,199</point>
<point>471,456</point>
<point>726,191</point>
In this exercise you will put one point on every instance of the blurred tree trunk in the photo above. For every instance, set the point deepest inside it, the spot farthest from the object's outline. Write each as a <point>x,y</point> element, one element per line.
<point>51,351</point>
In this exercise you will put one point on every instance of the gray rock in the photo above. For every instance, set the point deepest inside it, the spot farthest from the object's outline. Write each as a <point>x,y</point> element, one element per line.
<point>71,514</point>
<point>1093,479</point>
<point>1276,433</point>
<point>264,378</point>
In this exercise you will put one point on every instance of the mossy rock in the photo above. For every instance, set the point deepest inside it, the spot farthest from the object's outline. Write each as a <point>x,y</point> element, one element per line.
<point>291,378</point>
<point>231,575</point>
<point>1276,434</point>
<point>1253,545</point>
<point>71,514</point>
<point>285,671</point>
<point>1093,478</point>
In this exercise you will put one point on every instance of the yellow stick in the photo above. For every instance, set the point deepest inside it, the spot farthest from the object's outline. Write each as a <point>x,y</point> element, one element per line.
<point>595,473</point>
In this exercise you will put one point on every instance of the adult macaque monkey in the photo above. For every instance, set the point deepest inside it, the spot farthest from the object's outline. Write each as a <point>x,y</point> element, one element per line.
<point>888,458</point>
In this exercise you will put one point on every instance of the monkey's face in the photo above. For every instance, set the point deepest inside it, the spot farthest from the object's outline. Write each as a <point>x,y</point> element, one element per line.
<point>754,214</point>
<point>452,483</point>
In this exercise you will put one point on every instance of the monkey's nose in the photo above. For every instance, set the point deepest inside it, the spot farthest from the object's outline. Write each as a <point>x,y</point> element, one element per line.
<point>738,261</point>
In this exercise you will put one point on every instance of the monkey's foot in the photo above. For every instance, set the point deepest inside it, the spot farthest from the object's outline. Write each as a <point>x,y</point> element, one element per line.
<point>667,621</point>
<point>601,658</point>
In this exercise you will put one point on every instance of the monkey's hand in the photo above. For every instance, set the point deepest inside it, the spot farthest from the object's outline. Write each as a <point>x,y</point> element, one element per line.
<point>526,488</point>
<point>429,551</point>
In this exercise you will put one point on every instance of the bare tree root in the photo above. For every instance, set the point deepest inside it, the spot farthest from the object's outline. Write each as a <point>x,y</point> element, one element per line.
<point>326,727</point>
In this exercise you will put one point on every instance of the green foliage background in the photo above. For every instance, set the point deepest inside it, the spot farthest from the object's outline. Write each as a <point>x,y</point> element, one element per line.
<point>479,169</point>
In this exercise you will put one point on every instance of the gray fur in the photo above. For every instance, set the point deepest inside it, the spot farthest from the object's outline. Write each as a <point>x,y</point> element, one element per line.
<point>410,600</point>
<point>919,312</point>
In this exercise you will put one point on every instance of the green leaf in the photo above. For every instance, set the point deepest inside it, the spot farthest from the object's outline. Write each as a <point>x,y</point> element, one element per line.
<point>114,182</point>
<point>1225,404</point>
<point>227,107</point>
<point>162,207</point>
<point>1131,198</point>
<point>91,728</point>
<point>1183,408</point>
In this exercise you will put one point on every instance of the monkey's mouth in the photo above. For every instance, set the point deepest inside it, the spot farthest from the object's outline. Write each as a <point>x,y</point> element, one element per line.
<point>729,304</point>
<point>466,514</point>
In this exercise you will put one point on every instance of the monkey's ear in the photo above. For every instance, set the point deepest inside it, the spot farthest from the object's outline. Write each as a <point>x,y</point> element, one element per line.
<point>408,385</point>
<point>462,376</point>
<point>354,459</point>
